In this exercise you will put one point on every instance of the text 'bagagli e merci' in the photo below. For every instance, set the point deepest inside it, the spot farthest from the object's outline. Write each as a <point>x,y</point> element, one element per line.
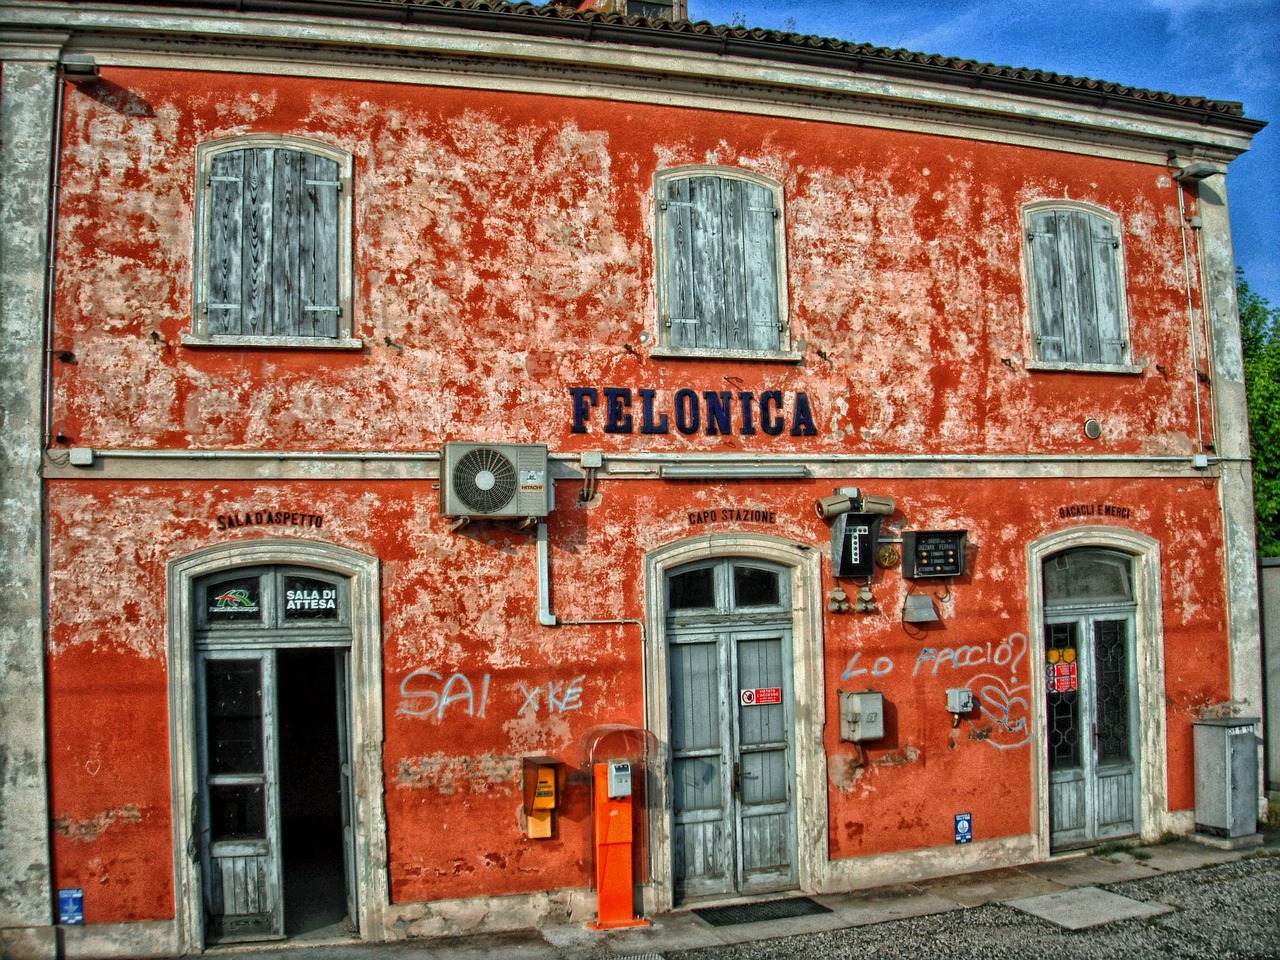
<point>713,412</point>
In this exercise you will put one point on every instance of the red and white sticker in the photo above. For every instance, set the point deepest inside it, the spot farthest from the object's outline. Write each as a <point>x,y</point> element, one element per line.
<point>760,697</point>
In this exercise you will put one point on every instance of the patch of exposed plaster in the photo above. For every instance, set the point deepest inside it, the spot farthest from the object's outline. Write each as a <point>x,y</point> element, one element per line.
<point>90,828</point>
<point>484,773</point>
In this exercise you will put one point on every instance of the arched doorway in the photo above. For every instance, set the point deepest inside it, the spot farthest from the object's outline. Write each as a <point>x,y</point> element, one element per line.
<point>273,721</point>
<point>275,681</point>
<point>734,698</point>
<point>1091,696</point>
<point>732,728</point>
<point>1098,694</point>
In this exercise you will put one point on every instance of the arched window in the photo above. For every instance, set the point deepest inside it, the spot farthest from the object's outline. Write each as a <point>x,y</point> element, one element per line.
<point>273,247</point>
<point>721,275</point>
<point>1077,295</point>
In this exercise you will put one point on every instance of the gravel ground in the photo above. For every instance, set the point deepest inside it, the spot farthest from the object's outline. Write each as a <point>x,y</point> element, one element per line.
<point>1228,912</point>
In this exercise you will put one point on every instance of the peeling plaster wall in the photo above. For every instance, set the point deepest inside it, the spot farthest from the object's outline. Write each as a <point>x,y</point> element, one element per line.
<point>503,244</point>
<point>473,684</point>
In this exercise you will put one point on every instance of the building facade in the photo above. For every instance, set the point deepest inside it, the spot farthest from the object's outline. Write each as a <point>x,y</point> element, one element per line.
<point>851,440</point>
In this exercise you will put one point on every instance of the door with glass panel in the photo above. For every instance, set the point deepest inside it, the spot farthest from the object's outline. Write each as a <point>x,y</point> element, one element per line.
<point>1091,706</point>
<point>273,717</point>
<point>731,728</point>
<point>240,815</point>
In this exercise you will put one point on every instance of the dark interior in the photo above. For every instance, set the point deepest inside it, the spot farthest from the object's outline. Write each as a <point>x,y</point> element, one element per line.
<point>310,800</point>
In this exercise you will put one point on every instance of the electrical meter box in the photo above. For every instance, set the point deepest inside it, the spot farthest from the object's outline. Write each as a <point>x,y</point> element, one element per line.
<point>619,784</point>
<point>933,553</point>
<point>861,715</point>
<point>959,700</point>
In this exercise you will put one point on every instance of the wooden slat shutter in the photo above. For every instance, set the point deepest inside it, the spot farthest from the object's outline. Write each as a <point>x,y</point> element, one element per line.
<point>1112,337</point>
<point>760,259</point>
<point>319,261</point>
<point>721,263</point>
<point>256,215</point>
<point>707,261</point>
<point>1076,288</point>
<point>273,244</point>
<point>681,315</point>
<point>226,184</point>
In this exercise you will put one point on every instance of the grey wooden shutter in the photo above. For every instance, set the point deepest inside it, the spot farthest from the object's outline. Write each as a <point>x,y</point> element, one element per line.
<point>273,244</point>
<point>222,299</point>
<point>1047,287</point>
<point>722,278</point>
<point>760,269</point>
<point>680,314</point>
<point>305,268</point>
<point>1112,337</point>
<point>256,217</point>
<point>1075,286</point>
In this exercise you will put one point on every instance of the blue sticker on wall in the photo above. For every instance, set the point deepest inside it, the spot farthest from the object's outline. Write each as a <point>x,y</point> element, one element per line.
<point>71,905</point>
<point>964,827</point>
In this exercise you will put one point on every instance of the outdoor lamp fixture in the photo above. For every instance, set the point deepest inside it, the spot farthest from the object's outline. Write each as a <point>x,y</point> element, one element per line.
<point>1195,169</point>
<point>731,471</point>
<point>79,68</point>
<point>919,608</point>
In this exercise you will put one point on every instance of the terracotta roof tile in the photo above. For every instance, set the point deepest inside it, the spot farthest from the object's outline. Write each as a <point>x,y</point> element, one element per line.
<point>564,18</point>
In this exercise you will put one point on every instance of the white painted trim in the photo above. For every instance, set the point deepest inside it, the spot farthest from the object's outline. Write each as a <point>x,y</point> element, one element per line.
<point>366,719</point>
<point>205,153</point>
<point>173,464</point>
<point>661,333</point>
<point>1153,747</point>
<point>1031,324</point>
<point>297,45</point>
<point>910,866</point>
<point>126,941</point>
<point>805,564</point>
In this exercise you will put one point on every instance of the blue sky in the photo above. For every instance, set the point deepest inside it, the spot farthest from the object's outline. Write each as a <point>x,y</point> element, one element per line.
<point>1221,49</point>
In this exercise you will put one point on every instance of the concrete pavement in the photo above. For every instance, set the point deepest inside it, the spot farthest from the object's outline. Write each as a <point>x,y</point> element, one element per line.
<point>1064,891</point>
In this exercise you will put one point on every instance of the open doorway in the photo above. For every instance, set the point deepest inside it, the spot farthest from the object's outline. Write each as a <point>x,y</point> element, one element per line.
<point>273,650</point>
<point>311,817</point>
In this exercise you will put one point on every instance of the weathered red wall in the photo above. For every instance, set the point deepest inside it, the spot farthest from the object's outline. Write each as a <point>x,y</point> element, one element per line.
<point>503,243</point>
<point>463,605</point>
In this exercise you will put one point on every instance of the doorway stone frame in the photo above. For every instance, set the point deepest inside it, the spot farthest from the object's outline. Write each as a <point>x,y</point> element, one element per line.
<point>369,813</point>
<point>805,566</point>
<point>1153,780</point>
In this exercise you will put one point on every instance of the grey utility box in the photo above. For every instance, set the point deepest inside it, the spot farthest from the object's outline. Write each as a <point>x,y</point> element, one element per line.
<point>1226,777</point>
<point>861,716</point>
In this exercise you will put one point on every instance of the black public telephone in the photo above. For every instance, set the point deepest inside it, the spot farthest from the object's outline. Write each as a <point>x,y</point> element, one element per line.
<point>853,544</point>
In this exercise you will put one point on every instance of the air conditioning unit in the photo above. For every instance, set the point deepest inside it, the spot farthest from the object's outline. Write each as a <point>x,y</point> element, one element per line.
<point>494,480</point>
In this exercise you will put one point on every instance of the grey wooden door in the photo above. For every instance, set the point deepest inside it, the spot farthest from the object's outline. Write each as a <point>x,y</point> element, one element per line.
<point>342,666</point>
<point>1093,780</point>
<point>732,730</point>
<point>240,806</point>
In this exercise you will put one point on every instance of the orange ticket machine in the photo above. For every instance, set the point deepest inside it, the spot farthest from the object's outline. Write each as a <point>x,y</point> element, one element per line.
<point>612,820</point>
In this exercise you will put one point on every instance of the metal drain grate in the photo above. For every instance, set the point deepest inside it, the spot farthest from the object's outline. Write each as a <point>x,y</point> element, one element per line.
<point>758,912</point>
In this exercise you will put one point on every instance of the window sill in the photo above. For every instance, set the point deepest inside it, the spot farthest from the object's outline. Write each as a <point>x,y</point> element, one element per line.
<point>273,343</point>
<point>764,356</point>
<point>1046,366</point>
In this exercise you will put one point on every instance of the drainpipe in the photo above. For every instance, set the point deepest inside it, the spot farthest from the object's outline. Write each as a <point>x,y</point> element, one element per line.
<point>1191,173</point>
<point>545,617</point>
<point>55,180</point>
